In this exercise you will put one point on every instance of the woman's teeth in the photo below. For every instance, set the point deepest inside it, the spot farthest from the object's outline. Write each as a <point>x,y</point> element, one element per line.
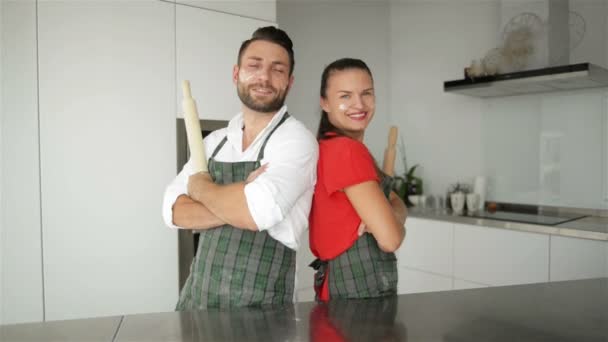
<point>357,115</point>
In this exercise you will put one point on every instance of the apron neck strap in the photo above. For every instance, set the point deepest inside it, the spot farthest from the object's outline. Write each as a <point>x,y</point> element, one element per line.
<point>261,154</point>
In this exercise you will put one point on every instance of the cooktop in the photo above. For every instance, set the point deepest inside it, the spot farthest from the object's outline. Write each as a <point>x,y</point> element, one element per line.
<point>542,219</point>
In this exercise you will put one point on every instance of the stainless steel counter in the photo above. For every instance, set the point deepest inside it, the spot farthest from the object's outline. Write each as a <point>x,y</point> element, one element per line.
<point>592,228</point>
<point>563,311</point>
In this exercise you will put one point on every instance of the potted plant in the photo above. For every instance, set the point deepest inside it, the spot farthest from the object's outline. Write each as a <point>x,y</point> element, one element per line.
<point>408,185</point>
<point>414,184</point>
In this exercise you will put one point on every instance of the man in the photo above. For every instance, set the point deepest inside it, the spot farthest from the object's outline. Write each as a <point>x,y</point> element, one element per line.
<point>253,205</point>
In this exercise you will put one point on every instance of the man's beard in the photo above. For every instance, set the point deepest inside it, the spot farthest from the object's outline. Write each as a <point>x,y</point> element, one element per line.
<point>272,105</point>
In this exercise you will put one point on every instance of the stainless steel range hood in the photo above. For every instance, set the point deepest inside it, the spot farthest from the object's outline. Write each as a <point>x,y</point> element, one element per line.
<point>560,78</point>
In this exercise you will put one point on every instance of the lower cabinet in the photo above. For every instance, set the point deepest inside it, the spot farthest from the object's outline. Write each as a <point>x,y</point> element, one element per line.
<point>460,284</point>
<point>305,294</point>
<point>416,281</point>
<point>499,256</point>
<point>304,274</point>
<point>573,258</point>
<point>441,256</point>
<point>428,246</point>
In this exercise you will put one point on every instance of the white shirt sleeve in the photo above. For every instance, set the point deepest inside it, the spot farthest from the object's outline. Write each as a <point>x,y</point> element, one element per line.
<point>179,185</point>
<point>289,179</point>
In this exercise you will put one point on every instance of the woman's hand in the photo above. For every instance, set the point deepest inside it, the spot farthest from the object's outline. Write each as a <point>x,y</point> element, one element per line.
<point>362,229</point>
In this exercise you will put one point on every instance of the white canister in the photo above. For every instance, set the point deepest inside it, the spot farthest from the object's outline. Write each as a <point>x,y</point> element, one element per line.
<point>472,202</point>
<point>480,188</point>
<point>457,200</point>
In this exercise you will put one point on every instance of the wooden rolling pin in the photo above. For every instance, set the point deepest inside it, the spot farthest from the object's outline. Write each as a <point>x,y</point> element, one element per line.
<point>388,166</point>
<point>193,130</point>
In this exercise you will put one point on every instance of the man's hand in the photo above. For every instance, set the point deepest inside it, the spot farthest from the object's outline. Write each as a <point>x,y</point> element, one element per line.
<point>197,183</point>
<point>226,201</point>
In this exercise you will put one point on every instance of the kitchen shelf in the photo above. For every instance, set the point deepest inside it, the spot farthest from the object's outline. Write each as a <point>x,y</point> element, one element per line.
<point>553,79</point>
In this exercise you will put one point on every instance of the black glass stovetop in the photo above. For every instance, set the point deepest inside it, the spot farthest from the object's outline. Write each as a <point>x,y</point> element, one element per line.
<point>542,219</point>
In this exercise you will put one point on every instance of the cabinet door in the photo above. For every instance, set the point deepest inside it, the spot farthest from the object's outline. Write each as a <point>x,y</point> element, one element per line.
<point>416,281</point>
<point>305,294</point>
<point>107,122</point>
<point>207,48</point>
<point>305,274</point>
<point>20,244</point>
<point>428,246</point>
<point>573,258</point>
<point>499,256</point>
<point>460,284</point>
<point>264,10</point>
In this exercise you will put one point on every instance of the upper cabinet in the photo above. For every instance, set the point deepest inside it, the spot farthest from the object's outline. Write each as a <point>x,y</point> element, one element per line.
<point>260,9</point>
<point>207,45</point>
<point>107,137</point>
<point>20,249</point>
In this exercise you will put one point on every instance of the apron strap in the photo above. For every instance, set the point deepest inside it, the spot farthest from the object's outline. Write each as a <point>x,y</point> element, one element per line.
<point>219,147</point>
<point>261,154</point>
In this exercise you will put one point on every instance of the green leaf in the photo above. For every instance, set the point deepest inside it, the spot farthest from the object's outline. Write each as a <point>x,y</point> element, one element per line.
<point>410,173</point>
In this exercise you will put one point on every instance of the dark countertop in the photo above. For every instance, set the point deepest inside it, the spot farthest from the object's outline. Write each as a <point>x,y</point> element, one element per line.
<point>591,227</point>
<point>560,311</point>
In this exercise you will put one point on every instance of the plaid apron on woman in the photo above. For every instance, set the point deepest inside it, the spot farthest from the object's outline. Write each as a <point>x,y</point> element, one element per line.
<point>363,270</point>
<point>235,267</point>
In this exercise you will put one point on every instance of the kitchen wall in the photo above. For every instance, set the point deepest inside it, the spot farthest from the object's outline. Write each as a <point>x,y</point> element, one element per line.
<point>323,31</point>
<point>454,137</point>
<point>551,148</point>
<point>593,47</point>
<point>432,42</point>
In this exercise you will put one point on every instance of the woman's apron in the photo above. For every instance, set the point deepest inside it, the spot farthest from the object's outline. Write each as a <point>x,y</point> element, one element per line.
<point>362,271</point>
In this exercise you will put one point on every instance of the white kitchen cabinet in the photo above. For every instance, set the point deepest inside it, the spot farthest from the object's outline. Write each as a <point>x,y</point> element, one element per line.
<point>606,264</point>
<point>499,256</point>
<point>305,274</point>
<point>107,127</point>
<point>573,258</point>
<point>20,246</point>
<point>207,49</point>
<point>305,294</point>
<point>460,284</point>
<point>416,281</point>
<point>428,246</point>
<point>259,9</point>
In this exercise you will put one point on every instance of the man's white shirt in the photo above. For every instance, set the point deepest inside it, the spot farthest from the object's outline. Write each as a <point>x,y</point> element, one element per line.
<point>279,199</point>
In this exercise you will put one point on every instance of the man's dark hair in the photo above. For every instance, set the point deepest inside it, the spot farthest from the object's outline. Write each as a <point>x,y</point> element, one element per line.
<point>273,35</point>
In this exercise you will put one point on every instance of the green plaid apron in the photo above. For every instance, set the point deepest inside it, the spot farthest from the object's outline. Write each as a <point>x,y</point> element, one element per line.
<point>363,270</point>
<point>235,267</point>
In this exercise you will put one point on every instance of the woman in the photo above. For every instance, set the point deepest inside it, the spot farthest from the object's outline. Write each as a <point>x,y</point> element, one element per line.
<point>356,222</point>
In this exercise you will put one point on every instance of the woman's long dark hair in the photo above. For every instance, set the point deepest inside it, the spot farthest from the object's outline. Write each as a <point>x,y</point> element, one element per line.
<point>325,126</point>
